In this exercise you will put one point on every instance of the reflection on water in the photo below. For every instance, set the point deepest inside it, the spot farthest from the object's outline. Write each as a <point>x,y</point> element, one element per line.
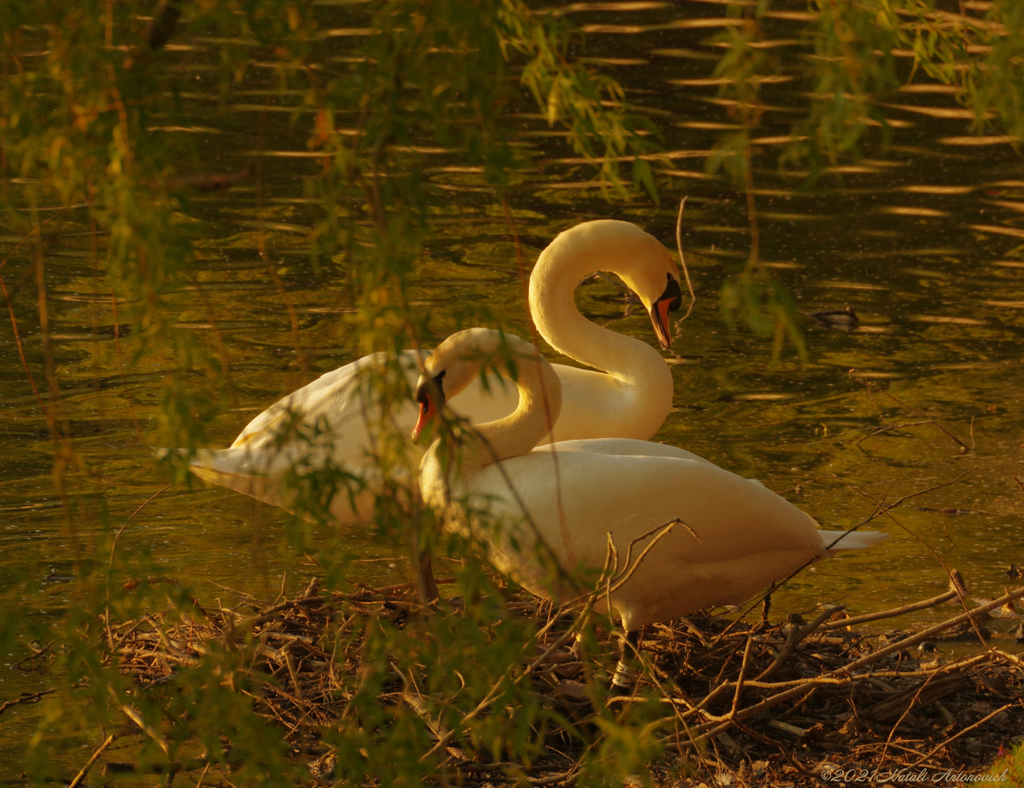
<point>922,242</point>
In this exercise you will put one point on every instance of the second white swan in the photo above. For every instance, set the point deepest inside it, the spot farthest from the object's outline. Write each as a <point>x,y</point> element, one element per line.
<point>732,536</point>
<point>332,422</point>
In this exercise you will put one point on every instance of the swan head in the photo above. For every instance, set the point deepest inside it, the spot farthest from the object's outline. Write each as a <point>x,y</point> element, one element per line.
<point>647,268</point>
<point>661,295</point>
<point>457,362</point>
<point>479,352</point>
<point>430,398</point>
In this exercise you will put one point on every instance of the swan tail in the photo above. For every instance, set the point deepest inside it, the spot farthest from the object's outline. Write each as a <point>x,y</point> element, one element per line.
<point>219,467</point>
<point>227,468</point>
<point>850,540</point>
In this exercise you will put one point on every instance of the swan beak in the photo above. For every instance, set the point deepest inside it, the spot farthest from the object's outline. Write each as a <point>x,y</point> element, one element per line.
<point>430,396</point>
<point>659,316</point>
<point>670,301</point>
<point>427,412</point>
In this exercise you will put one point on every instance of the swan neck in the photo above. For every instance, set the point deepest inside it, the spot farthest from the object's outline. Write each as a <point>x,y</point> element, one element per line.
<point>540,403</point>
<point>552,285</point>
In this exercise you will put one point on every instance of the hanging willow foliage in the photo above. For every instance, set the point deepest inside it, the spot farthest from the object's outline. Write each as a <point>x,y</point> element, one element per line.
<point>85,91</point>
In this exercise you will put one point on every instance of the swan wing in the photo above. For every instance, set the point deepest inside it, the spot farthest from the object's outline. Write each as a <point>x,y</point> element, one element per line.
<point>624,447</point>
<point>733,537</point>
<point>335,396</point>
<point>836,541</point>
<point>332,423</point>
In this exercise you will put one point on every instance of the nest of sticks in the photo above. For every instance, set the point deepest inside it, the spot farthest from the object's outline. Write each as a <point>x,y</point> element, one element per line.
<point>744,703</point>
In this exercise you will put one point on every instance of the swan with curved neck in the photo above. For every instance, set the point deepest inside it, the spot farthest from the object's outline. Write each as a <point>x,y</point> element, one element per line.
<point>333,422</point>
<point>632,394</point>
<point>738,535</point>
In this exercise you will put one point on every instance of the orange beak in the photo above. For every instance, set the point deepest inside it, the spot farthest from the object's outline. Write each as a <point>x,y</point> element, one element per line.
<point>662,327</point>
<point>427,412</point>
<point>670,301</point>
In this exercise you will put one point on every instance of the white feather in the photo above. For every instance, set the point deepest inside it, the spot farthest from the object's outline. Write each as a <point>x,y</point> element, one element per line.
<point>735,537</point>
<point>334,420</point>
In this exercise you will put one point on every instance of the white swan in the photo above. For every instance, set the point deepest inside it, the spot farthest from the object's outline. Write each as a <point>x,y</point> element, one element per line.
<point>332,424</point>
<point>574,492</point>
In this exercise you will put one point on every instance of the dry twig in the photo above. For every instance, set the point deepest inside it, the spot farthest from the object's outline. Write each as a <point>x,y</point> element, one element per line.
<point>838,693</point>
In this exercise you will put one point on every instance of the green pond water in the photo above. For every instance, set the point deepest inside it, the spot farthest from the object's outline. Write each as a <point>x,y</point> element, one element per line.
<point>923,240</point>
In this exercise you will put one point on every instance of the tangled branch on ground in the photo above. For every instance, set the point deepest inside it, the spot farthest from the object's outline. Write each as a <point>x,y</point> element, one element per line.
<point>775,702</point>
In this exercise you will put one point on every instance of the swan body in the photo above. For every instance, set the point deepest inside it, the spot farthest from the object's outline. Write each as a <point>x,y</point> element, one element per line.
<point>336,421</point>
<point>738,536</point>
